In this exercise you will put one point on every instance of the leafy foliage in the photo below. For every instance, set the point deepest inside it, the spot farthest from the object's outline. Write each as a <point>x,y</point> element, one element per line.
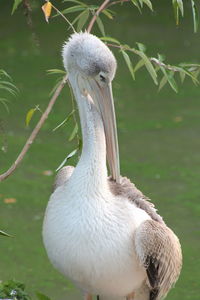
<point>155,66</point>
<point>3,233</point>
<point>160,72</point>
<point>195,15</point>
<point>15,5</point>
<point>6,85</point>
<point>15,290</point>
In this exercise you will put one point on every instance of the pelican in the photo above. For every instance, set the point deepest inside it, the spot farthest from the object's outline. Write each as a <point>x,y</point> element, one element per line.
<point>101,232</point>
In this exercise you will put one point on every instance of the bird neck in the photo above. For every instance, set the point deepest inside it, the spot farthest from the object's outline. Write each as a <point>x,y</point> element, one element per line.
<point>91,167</point>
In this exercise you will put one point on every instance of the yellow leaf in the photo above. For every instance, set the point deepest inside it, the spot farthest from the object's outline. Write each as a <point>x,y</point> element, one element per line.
<point>29,115</point>
<point>47,10</point>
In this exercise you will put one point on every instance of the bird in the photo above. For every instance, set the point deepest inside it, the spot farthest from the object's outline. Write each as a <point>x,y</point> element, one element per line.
<point>99,230</point>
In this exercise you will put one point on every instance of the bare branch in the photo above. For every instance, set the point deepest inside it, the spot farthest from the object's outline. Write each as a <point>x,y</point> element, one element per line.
<point>99,10</point>
<point>34,132</point>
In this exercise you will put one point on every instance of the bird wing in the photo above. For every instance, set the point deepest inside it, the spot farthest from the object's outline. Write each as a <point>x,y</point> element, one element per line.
<point>128,190</point>
<point>62,176</point>
<point>156,245</point>
<point>159,251</point>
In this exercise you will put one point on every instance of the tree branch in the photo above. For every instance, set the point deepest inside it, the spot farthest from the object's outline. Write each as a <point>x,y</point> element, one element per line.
<point>117,2</point>
<point>48,109</point>
<point>99,10</point>
<point>34,132</point>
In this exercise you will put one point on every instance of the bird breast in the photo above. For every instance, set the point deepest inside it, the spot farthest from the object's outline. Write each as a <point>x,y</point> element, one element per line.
<point>90,239</point>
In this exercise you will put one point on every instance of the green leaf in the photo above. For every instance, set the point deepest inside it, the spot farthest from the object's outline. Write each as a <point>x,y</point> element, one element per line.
<point>161,57</point>
<point>195,75</point>
<point>72,9</point>
<point>141,3</point>
<point>55,71</point>
<point>170,78</point>
<point>141,47</point>
<point>107,14</point>
<point>4,102</point>
<point>7,83</point>
<point>139,65</point>
<point>182,76</point>
<point>77,2</point>
<point>172,81</point>
<point>162,82</point>
<point>110,39</point>
<point>4,73</point>
<point>149,4</point>
<point>41,296</point>
<point>178,6</point>
<point>74,132</point>
<point>100,25</point>
<point>65,120</point>
<point>15,5</point>
<point>8,89</point>
<point>83,17</point>
<point>195,16</point>
<point>4,233</point>
<point>135,2</point>
<point>176,11</point>
<point>148,65</point>
<point>129,64</point>
<point>66,159</point>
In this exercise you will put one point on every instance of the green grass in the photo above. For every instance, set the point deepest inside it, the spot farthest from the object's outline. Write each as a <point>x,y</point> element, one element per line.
<point>158,153</point>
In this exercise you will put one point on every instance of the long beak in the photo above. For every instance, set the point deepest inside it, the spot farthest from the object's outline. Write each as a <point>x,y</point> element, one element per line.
<point>103,99</point>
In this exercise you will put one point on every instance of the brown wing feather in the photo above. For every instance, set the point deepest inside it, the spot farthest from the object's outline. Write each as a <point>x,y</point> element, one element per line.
<point>128,190</point>
<point>159,250</point>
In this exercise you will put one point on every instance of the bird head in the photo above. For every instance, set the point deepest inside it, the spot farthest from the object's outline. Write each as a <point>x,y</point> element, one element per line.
<point>88,55</point>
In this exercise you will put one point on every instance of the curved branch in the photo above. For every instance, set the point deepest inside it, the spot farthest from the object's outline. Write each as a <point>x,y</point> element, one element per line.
<point>48,109</point>
<point>34,132</point>
<point>99,10</point>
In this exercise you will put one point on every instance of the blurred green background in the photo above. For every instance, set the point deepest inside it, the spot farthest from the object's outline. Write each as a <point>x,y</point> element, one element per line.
<point>159,138</point>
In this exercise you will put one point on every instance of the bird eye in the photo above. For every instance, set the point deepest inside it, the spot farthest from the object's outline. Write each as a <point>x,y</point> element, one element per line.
<point>102,78</point>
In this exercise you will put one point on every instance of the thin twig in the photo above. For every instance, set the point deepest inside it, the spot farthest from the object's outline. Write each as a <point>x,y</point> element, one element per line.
<point>99,10</point>
<point>59,12</point>
<point>34,132</point>
<point>117,2</point>
<point>152,59</point>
